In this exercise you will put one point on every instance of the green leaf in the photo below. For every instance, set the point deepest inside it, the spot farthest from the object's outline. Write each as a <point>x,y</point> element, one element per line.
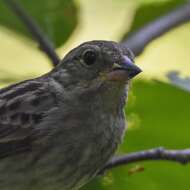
<point>163,112</point>
<point>148,12</point>
<point>57,18</point>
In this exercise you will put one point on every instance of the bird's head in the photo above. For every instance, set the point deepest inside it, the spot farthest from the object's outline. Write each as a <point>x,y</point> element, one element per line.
<point>99,63</point>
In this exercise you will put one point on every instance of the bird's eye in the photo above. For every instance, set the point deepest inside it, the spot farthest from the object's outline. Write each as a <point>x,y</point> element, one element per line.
<point>89,57</point>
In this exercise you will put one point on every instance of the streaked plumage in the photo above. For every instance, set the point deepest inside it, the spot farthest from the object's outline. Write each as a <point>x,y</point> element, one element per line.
<point>57,131</point>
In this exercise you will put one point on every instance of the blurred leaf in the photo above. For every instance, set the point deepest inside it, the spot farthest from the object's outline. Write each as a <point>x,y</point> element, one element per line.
<point>176,79</point>
<point>101,20</point>
<point>157,112</point>
<point>22,58</point>
<point>7,77</point>
<point>148,12</point>
<point>167,54</point>
<point>164,112</point>
<point>57,18</point>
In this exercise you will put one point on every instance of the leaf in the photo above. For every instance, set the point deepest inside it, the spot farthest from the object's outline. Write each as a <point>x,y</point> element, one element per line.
<point>19,59</point>
<point>148,12</point>
<point>57,18</point>
<point>101,21</point>
<point>29,61</point>
<point>168,53</point>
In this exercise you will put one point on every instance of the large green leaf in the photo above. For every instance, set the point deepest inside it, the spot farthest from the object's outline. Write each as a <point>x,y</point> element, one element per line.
<point>149,11</point>
<point>161,113</point>
<point>57,18</point>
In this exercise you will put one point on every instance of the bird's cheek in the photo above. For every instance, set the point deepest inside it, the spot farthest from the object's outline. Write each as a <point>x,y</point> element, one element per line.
<point>117,75</point>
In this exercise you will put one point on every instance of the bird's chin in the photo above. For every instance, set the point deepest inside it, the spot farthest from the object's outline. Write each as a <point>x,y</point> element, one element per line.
<point>119,75</point>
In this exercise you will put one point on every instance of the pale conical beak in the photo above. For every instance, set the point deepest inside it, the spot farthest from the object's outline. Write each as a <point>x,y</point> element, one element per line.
<point>131,69</point>
<point>123,71</point>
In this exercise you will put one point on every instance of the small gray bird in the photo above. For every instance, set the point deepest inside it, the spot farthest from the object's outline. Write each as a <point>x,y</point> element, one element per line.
<point>59,130</point>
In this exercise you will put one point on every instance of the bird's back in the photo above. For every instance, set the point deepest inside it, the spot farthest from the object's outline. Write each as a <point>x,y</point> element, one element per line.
<point>23,107</point>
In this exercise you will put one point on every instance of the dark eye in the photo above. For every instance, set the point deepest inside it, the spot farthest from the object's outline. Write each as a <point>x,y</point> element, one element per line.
<point>89,57</point>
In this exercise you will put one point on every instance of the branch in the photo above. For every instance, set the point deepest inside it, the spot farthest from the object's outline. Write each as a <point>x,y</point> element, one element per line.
<point>140,39</point>
<point>180,156</point>
<point>34,29</point>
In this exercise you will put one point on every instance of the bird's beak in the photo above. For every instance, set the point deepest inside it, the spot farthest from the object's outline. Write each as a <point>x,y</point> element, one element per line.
<point>124,71</point>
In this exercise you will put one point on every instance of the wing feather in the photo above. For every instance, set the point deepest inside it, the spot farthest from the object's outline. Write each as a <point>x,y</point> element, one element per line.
<point>22,108</point>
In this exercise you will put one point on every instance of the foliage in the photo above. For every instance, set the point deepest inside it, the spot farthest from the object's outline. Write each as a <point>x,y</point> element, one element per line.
<point>157,111</point>
<point>57,18</point>
<point>148,12</point>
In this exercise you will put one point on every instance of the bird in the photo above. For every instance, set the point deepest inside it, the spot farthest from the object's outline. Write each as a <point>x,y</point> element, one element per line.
<point>57,131</point>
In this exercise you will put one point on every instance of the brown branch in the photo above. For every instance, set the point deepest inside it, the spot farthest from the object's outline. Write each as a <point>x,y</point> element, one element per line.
<point>140,39</point>
<point>34,29</point>
<point>180,156</point>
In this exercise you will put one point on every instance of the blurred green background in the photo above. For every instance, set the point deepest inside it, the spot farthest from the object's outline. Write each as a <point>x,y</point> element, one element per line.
<point>159,102</point>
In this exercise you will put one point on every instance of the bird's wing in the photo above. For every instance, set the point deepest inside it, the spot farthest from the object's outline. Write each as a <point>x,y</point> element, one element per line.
<point>22,108</point>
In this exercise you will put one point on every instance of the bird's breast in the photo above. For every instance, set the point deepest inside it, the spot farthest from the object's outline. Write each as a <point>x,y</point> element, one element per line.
<point>82,144</point>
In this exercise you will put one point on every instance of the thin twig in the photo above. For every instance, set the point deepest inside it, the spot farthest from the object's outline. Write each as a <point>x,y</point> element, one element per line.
<point>34,29</point>
<point>180,156</point>
<point>140,39</point>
